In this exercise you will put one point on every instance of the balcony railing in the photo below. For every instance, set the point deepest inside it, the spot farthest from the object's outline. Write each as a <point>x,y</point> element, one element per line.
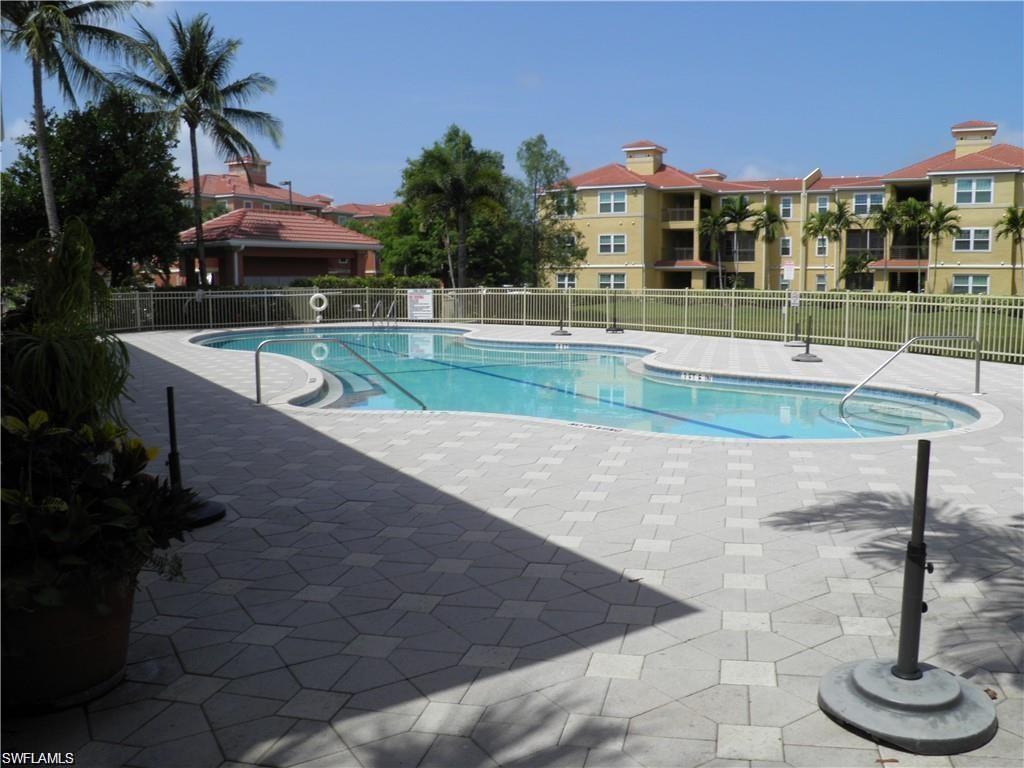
<point>743,254</point>
<point>874,254</point>
<point>677,214</point>
<point>908,252</point>
<point>680,253</point>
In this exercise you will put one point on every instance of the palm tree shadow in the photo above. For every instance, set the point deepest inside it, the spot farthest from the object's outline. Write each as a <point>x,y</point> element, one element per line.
<point>974,593</point>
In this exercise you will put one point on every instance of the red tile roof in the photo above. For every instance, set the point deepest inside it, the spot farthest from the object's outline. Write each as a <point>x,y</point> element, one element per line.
<point>996,158</point>
<point>230,185</point>
<point>683,264</point>
<point>292,227</point>
<point>611,175</point>
<point>363,210</point>
<point>845,182</point>
<point>643,144</point>
<point>974,124</point>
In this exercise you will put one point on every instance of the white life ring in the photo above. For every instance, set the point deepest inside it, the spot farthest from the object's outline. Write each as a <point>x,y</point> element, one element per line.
<point>318,302</point>
<point>320,352</point>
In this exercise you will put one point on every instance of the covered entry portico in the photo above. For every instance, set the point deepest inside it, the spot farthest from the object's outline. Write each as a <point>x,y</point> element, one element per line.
<point>682,273</point>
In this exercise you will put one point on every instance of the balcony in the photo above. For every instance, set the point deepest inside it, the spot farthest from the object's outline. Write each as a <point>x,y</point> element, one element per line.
<point>871,254</point>
<point>901,252</point>
<point>743,254</point>
<point>677,253</point>
<point>677,214</point>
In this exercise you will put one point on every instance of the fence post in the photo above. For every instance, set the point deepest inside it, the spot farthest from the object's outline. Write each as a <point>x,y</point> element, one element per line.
<point>977,322</point>
<point>643,309</point>
<point>266,307</point>
<point>906,319</point>
<point>732,315</point>
<point>482,306</point>
<point>686,310</point>
<point>209,310</point>
<point>569,292</point>
<point>138,312</point>
<point>524,306</point>
<point>846,320</point>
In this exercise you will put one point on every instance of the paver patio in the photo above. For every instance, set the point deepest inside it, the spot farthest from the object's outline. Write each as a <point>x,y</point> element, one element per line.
<point>440,589</point>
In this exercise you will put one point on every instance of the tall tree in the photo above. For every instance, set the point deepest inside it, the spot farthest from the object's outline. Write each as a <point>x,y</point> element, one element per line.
<point>713,228</point>
<point>913,214</point>
<point>841,221</point>
<point>191,83</point>
<point>455,182</point>
<point>1012,227</point>
<point>886,221</point>
<point>736,211</point>
<point>55,37</point>
<point>940,221</point>
<point>769,225</point>
<point>544,168</point>
<point>818,224</point>
<point>109,157</point>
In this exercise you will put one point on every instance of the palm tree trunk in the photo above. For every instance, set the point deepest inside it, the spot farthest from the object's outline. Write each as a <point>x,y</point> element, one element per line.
<point>197,215</point>
<point>928,265</point>
<point>461,253</point>
<point>45,173</point>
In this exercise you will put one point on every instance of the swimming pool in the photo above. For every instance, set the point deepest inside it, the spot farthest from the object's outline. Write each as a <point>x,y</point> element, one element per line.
<point>602,386</point>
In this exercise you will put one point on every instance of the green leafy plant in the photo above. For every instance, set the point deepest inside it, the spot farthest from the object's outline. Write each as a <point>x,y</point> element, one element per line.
<point>386,281</point>
<point>80,514</point>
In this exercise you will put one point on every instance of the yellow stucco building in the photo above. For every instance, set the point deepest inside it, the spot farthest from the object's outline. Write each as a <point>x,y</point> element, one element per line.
<point>640,223</point>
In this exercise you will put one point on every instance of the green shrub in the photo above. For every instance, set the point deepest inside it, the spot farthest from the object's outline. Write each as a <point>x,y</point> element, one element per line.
<point>383,281</point>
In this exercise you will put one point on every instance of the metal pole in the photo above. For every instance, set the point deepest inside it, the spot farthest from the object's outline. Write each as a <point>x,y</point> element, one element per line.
<point>173,461</point>
<point>257,376</point>
<point>977,365</point>
<point>906,667</point>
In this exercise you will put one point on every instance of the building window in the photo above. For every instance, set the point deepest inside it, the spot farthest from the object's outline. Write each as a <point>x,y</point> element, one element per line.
<point>267,206</point>
<point>611,244</point>
<point>786,207</point>
<point>865,203</point>
<point>822,203</point>
<point>976,239</point>
<point>612,202</point>
<point>247,204</point>
<point>973,191</point>
<point>565,280</point>
<point>970,283</point>
<point>820,283</point>
<point>743,200</point>
<point>615,281</point>
<point>786,246</point>
<point>821,246</point>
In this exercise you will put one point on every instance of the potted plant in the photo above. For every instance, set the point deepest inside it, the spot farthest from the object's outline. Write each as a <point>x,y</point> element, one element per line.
<point>80,515</point>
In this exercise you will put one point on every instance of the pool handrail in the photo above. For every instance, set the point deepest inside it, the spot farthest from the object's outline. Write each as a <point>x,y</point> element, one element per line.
<point>376,308</point>
<point>903,348</point>
<point>391,314</point>
<point>320,340</point>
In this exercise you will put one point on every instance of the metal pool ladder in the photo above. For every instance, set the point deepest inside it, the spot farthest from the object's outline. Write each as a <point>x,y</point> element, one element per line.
<point>902,349</point>
<point>315,340</point>
<point>376,308</point>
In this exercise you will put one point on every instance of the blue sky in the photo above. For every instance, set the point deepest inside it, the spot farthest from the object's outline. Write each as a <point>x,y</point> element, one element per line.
<point>752,89</point>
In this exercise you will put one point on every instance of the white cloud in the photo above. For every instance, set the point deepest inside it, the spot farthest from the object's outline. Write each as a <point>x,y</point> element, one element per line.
<point>756,171</point>
<point>209,160</point>
<point>20,127</point>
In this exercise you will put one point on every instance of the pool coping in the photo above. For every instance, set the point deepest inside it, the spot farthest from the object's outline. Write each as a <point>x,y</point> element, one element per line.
<point>989,415</point>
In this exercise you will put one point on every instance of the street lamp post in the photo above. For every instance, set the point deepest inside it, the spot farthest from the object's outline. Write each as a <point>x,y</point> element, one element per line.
<point>289,183</point>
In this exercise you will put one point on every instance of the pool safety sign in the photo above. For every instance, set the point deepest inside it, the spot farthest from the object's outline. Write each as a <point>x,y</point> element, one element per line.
<point>420,303</point>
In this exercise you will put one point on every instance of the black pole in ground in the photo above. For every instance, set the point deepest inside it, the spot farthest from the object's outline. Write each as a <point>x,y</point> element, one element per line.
<point>561,321</point>
<point>795,341</point>
<point>917,707</point>
<point>208,511</point>
<point>614,327</point>
<point>806,356</point>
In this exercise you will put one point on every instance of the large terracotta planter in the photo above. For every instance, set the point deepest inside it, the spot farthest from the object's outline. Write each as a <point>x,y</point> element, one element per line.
<point>58,657</point>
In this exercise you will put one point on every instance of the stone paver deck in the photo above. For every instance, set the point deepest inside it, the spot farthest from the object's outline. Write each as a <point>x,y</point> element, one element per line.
<point>438,589</point>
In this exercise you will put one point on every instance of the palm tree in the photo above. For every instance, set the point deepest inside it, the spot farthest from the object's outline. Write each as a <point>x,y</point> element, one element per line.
<point>885,222</point>
<point>911,219</point>
<point>818,224</point>
<point>54,36</point>
<point>735,211</point>
<point>455,181</point>
<point>768,225</point>
<point>940,220</point>
<point>191,84</point>
<point>840,221</point>
<point>712,226</point>
<point>1012,226</point>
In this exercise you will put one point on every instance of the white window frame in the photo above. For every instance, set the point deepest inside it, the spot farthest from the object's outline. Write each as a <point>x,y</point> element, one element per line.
<point>268,207</point>
<point>983,281</point>
<point>821,282</point>
<point>822,208</point>
<point>970,236</point>
<point>611,243</point>
<point>247,203</point>
<point>565,281</point>
<point>869,207</point>
<point>973,190</point>
<point>821,247</point>
<point>785,246</point>
<point>786,207</point>
<point>613,202</point>
<point>610,281</point>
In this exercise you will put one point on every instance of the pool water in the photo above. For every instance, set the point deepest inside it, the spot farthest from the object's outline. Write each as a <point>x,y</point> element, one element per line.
<point>604,387</point>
